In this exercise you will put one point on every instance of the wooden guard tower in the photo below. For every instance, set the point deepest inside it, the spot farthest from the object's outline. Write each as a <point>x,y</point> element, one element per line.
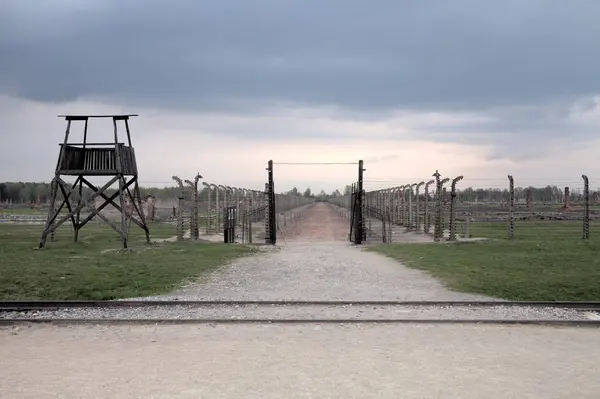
<point>113,159</point>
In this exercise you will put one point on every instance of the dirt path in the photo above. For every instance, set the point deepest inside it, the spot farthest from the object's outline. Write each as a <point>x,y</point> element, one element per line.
<point>320,224</point>
<point>301,361</point>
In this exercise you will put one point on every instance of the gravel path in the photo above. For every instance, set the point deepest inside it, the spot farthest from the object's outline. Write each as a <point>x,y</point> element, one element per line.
<point>301,361</point>
<point>316,262</point>
<point>320,271</point>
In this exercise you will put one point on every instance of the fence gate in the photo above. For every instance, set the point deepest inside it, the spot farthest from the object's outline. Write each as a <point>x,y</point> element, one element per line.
<point>229,221</point>
<point>357,231</point>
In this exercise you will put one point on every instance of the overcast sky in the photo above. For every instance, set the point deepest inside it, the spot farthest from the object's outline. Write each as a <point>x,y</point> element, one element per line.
<point>472,87</point>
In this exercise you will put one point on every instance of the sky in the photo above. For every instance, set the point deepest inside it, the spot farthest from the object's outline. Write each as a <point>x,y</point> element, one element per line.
<point>478,88</point>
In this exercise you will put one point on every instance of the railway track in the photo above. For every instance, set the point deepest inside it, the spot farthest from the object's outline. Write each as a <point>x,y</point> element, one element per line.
<point>297,312</point>
<point>51,304</point>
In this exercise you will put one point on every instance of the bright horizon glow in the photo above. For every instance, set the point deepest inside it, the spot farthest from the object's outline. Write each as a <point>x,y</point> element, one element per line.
<point>184,144</point>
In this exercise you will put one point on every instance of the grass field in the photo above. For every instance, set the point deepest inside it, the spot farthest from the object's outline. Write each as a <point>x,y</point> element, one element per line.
<point>23,211</point>
<point>547,260</point>
<point>94,269</point>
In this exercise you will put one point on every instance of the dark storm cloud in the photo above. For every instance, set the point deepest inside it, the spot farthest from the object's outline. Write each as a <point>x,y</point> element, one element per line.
<point>357,54</point>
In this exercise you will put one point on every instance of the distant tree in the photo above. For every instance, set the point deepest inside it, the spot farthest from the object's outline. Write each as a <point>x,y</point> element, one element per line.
<point>294,191</point>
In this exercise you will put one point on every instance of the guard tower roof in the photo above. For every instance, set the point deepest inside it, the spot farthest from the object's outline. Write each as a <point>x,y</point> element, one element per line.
<point>84,117</point>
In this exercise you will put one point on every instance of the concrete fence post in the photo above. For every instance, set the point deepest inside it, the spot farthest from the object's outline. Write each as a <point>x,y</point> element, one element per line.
<point>452,236</point>
<point>511,207</point>
<point>443,204</point>
<point>426,213</point>
<point>180,204</point>
<point>438,207</point>
<point>586,207</point>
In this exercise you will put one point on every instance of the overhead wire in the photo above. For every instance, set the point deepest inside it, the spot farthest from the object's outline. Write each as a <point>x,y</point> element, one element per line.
<point>315,163</point>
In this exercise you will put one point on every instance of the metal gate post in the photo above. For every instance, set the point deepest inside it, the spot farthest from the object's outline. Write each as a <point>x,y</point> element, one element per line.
<point>271,236</point>
<point>352,214</point>
<point>230,219</point>
<point>359,230</point>
<point>266,214</point>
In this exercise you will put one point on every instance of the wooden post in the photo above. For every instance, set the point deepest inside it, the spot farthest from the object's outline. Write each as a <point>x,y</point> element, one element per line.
<point>119,166</point>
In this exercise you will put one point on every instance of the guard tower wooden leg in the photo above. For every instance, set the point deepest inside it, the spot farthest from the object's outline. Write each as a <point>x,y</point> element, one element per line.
<point>51,212</point>
<point>140,210</point>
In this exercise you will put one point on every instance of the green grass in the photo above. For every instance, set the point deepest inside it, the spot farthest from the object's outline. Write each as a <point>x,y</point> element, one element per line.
<point>86,270</point>
<point>546,261</point>
<point>539,230</point>
<point>24,211</point>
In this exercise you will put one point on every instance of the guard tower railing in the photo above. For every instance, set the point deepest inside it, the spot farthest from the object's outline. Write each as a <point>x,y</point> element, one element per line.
<point>97,159</point>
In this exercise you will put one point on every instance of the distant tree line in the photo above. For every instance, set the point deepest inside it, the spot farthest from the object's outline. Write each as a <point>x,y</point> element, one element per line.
<point>39,193</point>
<point>321,197</point>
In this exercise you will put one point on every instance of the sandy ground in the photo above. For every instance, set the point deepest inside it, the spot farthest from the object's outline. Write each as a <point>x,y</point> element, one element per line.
<point>301,361</point>
<point>319,225</point>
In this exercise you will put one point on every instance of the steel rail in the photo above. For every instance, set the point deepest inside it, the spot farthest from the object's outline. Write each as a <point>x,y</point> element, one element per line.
<point>51,304</point>
<point>572,323</point>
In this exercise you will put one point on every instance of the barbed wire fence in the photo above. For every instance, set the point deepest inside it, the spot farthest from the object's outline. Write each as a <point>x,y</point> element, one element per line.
<point>455,208</point>
<point>201,213</point>
<point>442,208</point>
<point>196,209</point>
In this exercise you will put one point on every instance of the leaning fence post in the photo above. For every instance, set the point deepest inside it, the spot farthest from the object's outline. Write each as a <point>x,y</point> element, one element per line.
<point>426,215</point>
<point>401,211</point>
<point>409,207</point>
<point>453,208</point>
<point>442,208</point>
<point>192,214</point>
<point>389,230</point>
<point>208,212</point>
<point>438,207</point>
<point>417,205</point>
<point>180,209</point>
<point>399,205</point>
<point>250,204</point>
<point>586,207</point>
<point>511,207</point>
<point>194,225</point>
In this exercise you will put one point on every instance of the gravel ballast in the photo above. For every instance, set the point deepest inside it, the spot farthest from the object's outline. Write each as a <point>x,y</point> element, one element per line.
<point>309,312</point>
